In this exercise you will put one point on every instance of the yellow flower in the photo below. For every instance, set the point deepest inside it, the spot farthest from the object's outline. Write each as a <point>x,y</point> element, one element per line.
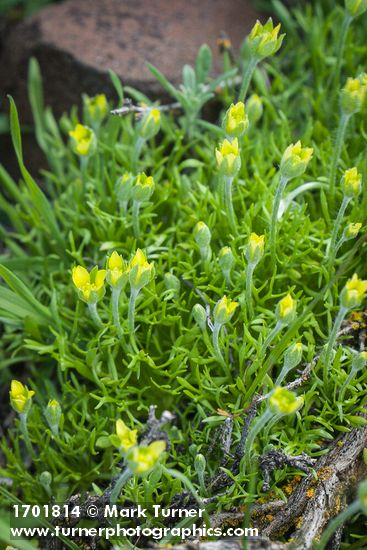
<point>143,188</point>
<point>20,397</point>
<point>228,157</point>
<point>142,459</point>
<point>352,230</point>
<point>286,309</point>
<point>90,285</point>
<point>83,139</point>
<point>224,310</point>
<point>236,121</point>
<point>353,292</point>
<point>116,270</point>
<point>353,95</point>
<point>97,106</point>
<point>351,182</point>
<point>356,7</point>
<point>283,401</point>
<point>264,40</point>
<point>126,438</point>
<point>255,248</point>
<point>295,160</point>
<point>140,270</point>
<point>150,123</point>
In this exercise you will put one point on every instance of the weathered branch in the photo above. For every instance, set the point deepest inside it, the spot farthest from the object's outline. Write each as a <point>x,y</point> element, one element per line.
<point>316,501</point>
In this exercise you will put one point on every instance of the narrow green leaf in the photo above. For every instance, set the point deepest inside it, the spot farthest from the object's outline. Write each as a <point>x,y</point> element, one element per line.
<point>23,292</point>
<point>38,198</point>
<point>117,85</point>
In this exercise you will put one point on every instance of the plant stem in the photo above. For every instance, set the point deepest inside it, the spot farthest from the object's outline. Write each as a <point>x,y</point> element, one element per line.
<point>247,76</point>
<point>332,249</point>
<point>258,426</point>
<point>340,134</point>
<point>94,314</point>
<point>137,151</point>
<point>309,186</point>
<point>24,430</point>
<point>228,203</point>
<point>217,351</point>
<point>250,269</point>
<point>264,366</point>
<point>274,216</point>
<point>124,477</point>
<point>283,373</point>
<point>334,332</point>
<point>342,39</point>
<point>337,522</point>
<point>136,225</point>
<point>115,296</point>
<point>131,317</point>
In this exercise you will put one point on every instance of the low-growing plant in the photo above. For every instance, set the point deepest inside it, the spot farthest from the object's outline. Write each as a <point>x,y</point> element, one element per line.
<point>180,298</point>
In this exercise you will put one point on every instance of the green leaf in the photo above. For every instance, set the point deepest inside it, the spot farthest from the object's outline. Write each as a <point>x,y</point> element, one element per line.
<point>189,78</point>
<point>35,92</point>
<point>46,216</point>
<point>204,63</point>
<point>117,85</point>
<point>163,81</point>
<point>32,305</point>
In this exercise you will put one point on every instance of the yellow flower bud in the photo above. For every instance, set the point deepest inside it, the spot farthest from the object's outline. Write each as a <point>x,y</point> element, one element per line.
<point>293,356</point>
<point>202,234</point>
<point>353,95</point>
<point>90,285</point>
<point>143,459</point>
<point>359,361</point>
<point>264,40</point>
<point>353,292</point>
<point>235,122</point>
<point>83,140</point>
<point>228,157</point>
<point>96,106</point>
<point>254,108</point>
<point>20,397</point>
<point>116,273</point>
<point>143,188</point>
<point>283,401</point>
<point>286,309</point>
<point>140,271</point>
<point>150,123</point>
<point>200,316</point>
<point>53,415</point>
<point>255,248</point>
<point>125,438</point>
<point>352,230</point>
<point>295,160</point>
<point>351,182</point>
<point>224,310</point>
<point>355,7</point>
<point>226,259</point>
<point>124,186</point>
